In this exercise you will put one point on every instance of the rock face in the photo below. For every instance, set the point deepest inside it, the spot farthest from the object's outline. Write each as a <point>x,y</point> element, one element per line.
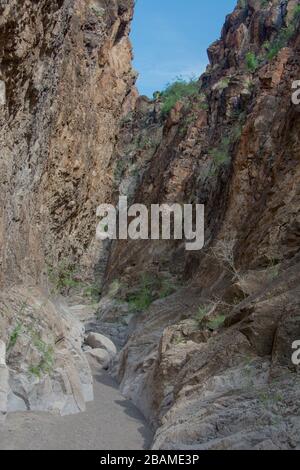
<point>98,341</point>
<point>67,69</point>
<point>3,383</point>
<point>210,365</point>
<point>47,370</point>
<point>65,74</point>
<point>101,357</point>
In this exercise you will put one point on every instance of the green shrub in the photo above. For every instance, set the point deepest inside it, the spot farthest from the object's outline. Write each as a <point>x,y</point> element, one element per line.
<point>242,3</point>
<point>114,288</point>
<point>264,3</point>
<point>92,292</point>
<point>236,132</point>
<point>281,41</point>
<point>62,277</point>
<point>201,314</point>
<point>181,89</point>
<point>216,323</point>
<point>17,331</point>
<point>46,363</point>
<point>221,154</point>
<point>143,298</point>
<point>274,269</point>
<point>156,95</point>
<point>166,289</point>
<point>14,336</point>
<point>204,106</point>
<point>284,35</point>
<point>99,12</point>
<point>296,14</point>
<point>251,61</point>
<point>202,318</point>
<point>120,169</point>
<point>151,288</point>
<point>145,143</point>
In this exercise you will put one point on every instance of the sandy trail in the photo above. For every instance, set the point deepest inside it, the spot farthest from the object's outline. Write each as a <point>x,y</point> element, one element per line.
<point>110,423</point>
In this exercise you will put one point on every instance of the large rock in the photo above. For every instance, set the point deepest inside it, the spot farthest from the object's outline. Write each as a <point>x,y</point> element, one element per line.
<point>54,374</point>
<point>101,356</point>
<point>98,341</point>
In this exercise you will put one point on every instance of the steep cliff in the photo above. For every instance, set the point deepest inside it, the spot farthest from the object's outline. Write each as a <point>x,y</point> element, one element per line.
<point>210,364</point>
<point>66,69</point>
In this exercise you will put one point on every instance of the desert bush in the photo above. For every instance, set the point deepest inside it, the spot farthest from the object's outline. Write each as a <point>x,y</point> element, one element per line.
<point>63,277</point>
<point>216,322</point>
<point>220,154</point>
<point>14,336</point>
<point>251,61</point>
<point>284,35</point>
<point>143,297</point>
<point>206,316</point>
<point>151,287</point>
<point>177,91</point>
<point>46,351</point>
<point>202,313</point>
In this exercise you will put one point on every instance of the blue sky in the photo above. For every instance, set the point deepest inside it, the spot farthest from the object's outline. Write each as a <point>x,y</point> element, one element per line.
<point>170,38</point>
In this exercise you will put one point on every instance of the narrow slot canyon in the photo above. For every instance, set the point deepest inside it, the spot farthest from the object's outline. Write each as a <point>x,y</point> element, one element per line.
<point>132,343</point>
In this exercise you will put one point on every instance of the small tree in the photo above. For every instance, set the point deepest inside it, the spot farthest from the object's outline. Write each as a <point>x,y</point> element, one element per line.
<point>224,252</point>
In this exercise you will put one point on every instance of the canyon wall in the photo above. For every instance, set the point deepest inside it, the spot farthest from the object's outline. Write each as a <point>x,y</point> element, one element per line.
<point>208,359</point>
<point>66,69</point>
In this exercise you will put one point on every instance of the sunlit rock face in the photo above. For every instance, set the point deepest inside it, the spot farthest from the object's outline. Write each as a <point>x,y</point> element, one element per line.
<point>65,76</point>
<point>67,70</point>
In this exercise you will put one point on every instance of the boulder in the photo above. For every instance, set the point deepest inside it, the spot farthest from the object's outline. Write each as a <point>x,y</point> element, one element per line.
<point>67,384</point>
<point>98,341</point>
<point>101,356</point>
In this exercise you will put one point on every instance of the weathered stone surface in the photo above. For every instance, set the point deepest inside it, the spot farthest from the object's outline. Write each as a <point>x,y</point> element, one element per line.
<point>48,370</point>
<point>4,388</point>
<point>98,341</point>
<point>67,70</point>
<point>65,67</point>
<point>233,386</point>
<point>101,356</point>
